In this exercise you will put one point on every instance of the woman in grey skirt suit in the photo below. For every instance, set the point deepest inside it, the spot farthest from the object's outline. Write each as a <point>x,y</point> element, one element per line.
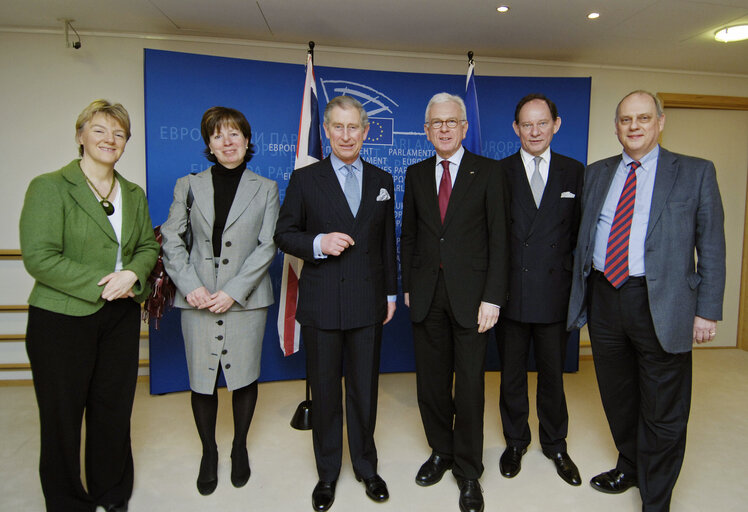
<point>223,284</point>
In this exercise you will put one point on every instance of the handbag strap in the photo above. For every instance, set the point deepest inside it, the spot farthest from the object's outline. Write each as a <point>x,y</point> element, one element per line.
<point>190,196</point>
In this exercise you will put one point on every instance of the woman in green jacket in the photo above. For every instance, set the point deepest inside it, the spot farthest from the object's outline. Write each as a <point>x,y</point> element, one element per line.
<point>87,240</point>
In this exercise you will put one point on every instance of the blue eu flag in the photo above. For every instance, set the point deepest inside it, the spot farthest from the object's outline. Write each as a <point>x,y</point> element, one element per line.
<point>380,131</point>
<point>472,141</point>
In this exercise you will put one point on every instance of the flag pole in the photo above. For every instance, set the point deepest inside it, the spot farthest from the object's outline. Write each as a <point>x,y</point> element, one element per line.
<point>302,417</point>
<point>472,141</point>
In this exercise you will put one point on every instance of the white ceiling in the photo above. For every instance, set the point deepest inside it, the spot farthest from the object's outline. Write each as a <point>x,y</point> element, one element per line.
<point>669,34</point>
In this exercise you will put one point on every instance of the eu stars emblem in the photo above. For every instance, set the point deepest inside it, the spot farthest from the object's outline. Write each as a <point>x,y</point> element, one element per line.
<point>380,131</point>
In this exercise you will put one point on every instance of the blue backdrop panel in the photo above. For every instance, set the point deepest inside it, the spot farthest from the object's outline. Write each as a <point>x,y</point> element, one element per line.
<point>179,87</point>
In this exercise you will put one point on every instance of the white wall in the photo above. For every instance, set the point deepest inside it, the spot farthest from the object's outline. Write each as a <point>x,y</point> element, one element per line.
<point>44,85</point>
<point>702,133</point>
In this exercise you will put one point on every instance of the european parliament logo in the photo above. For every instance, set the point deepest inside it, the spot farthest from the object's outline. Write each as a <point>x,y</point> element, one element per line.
<point>381,129</point>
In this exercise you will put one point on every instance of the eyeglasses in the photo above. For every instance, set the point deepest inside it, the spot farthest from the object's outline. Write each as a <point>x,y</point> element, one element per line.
<point>451,123</point>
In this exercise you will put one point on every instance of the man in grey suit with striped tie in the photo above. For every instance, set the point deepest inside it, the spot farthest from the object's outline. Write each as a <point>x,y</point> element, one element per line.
<point>338,216</point>
<point>646,301</point>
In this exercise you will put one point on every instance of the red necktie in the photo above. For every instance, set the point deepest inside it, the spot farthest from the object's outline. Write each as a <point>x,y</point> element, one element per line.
<point>445,189</point>
<point>617,253</point>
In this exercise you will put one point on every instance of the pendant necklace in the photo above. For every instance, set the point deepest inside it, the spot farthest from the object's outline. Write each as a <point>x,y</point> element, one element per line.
<point>105,203</point>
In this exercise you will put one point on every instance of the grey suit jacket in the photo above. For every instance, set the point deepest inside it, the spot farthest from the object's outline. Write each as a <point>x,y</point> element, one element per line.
<point>686,214</point>
<point>248,247</point>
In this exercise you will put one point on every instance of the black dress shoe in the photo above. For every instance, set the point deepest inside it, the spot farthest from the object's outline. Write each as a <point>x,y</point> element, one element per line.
<point>613,482</point>
<point>511,461</point>
<point>471,496</point>
<point>207,479</point>
<point>565,468</point>
<point>240,466</point>
<point>376,488</point>
<point>323,495</point>
<point>119,507</point>
<point>433,470</point>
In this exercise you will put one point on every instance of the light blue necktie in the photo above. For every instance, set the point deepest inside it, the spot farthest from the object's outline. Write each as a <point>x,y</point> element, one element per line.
<point>536,182</point>
<point>351,190</point>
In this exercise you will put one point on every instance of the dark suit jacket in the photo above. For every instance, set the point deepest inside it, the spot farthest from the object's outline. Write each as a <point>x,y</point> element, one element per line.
<point>686,214</point>
<point>542,240</point>
<point>471,245</point>
<point>350,290</point>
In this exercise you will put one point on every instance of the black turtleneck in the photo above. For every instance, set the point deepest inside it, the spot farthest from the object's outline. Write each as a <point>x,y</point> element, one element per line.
<point>225,183</point>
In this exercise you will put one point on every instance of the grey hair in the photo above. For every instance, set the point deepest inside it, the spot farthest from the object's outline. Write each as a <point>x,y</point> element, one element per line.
<point>346,102</point>
<point>445,97</point>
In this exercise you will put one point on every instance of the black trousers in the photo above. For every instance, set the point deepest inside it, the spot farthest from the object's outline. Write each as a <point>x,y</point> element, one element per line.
<point>549,342</point>
<point>646,392</point>
<point>329,353</point>
<point>85,364</point>
<point>446,352</point>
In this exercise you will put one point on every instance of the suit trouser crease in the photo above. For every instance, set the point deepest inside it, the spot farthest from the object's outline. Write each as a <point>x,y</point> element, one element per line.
<point>646,392</point>
<point>549,341</point>
<point>329,352</point>
<point>446,352</point>
<point>85,365</point>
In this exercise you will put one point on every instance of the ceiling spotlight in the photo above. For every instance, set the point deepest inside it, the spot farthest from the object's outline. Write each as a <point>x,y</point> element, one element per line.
<point>731,34</point>
<point>593,15</point>
<point>503,8</point>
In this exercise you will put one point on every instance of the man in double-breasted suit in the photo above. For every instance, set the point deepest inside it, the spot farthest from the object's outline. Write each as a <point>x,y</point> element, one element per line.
<point>546,190</point>
<point>645,300</point>
<point>454,269</point>
<point>338,215</point>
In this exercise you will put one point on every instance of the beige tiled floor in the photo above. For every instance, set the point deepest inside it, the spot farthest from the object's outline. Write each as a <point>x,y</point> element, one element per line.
<point>166,451</point>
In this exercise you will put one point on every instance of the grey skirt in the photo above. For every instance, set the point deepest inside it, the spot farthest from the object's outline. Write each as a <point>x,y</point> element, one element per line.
<point>231,340</point>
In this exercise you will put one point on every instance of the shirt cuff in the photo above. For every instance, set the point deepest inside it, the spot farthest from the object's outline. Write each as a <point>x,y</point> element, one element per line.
<point>391,298</point>
<point>317,247</point>
<point>494,305</point>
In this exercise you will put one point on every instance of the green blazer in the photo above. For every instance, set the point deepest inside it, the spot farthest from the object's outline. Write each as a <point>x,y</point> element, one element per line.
<point>68,244</point>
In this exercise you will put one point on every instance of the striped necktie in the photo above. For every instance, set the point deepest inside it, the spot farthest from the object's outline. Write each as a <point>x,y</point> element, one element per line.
<point>617,253</point>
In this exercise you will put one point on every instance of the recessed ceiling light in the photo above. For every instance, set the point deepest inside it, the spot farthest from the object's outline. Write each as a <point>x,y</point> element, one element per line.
<point>503,8</point>
<point>731,34</point>
<point>593,15</point>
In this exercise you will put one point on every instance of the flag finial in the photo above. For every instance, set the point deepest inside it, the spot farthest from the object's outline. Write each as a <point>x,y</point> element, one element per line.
<point>470,57</point>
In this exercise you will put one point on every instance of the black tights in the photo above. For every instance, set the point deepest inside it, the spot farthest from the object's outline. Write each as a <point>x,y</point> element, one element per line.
<point>205,410</point>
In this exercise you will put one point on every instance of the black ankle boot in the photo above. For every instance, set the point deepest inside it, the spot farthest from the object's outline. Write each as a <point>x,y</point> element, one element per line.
<point>239,466</point>
<point>207,479</point>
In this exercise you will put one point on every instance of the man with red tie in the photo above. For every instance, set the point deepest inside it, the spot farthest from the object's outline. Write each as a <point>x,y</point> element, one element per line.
<point>645,214</point>
<point>455,270</point>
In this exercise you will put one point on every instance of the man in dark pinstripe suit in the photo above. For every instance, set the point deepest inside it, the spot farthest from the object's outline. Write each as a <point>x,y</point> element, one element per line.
<point>338,215</point>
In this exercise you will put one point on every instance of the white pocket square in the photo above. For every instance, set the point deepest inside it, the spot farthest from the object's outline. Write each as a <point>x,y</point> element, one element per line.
<point>567,195</point>
<point>383,195</point>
